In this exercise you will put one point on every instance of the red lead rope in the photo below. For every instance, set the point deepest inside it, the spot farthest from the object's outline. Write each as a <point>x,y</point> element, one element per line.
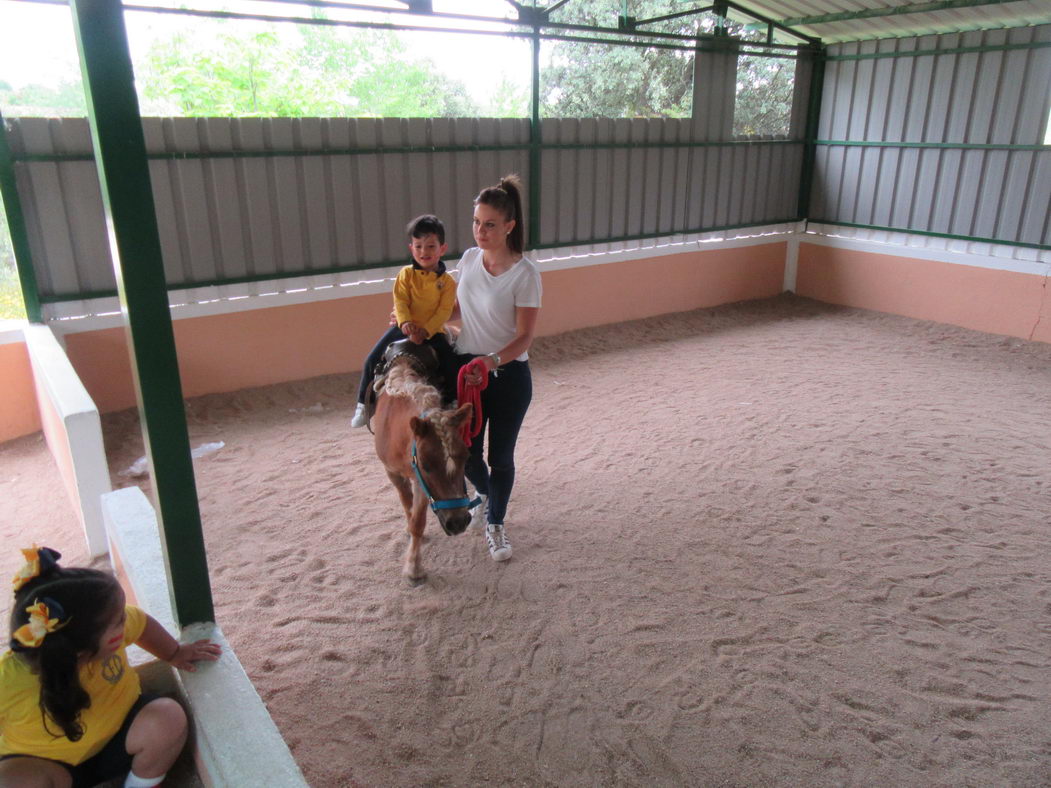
<point>473,394</point>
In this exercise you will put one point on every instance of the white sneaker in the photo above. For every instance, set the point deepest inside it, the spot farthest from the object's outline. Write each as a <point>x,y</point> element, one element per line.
<point>359,419</point>
<point>499,544</point>
<point>478,515</point>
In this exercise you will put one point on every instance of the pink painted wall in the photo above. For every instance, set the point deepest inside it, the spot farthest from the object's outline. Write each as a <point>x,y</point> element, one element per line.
<point>597,295</point>
<point>18,407</point>
<point>984,299</point>
<point>262,346</point>
<point>239,350</point>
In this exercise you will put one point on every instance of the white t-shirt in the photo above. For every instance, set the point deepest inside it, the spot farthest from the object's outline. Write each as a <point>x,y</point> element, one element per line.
<point>487,302</point>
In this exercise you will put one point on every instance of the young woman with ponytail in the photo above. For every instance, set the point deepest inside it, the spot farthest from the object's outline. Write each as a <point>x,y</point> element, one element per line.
<point>499,295</point>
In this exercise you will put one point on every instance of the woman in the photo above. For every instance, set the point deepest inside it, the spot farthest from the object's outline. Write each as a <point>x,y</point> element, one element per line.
<point>498,301</point>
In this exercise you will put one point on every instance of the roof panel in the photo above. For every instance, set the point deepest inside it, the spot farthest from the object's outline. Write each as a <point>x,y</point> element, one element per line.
<point>857,20</point>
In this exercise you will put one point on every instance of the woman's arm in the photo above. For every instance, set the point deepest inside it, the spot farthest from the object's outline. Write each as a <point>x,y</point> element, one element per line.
<point>156,640</point>
<point>525,327</point>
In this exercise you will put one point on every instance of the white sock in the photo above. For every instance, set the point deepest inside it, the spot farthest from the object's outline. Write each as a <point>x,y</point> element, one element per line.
<point>134,781</point>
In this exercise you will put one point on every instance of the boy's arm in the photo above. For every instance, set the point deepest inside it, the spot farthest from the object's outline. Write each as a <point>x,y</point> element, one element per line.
<point>445,308</point>
<point>156,640</point>
<point>401,297</point>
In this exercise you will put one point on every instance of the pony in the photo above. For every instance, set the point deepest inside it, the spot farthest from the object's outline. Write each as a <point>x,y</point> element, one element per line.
<point>422,449</point>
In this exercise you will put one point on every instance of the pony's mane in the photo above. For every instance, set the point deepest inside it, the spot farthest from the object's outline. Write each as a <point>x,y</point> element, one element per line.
<point>403,381</point>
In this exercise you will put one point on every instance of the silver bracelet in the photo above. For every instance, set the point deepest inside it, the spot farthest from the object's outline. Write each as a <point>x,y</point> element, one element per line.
<point>496,359</point>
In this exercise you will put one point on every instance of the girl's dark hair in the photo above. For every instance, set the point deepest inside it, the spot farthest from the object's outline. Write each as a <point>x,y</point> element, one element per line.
<point>90,599</point>
<point>506,197</point>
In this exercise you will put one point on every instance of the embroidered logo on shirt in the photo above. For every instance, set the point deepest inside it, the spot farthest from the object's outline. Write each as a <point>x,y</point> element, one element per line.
<point>113,669</point>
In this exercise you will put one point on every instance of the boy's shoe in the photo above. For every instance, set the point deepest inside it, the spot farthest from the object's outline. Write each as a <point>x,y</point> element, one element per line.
<point>359,419</point>
<point>478,515</point>
<point>499,544</point>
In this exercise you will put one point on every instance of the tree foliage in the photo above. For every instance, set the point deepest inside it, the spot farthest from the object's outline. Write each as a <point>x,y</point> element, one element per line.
<point>11,306</point>
<point>765,86</point>
<point>604,80</point>
<point>317,73</point>
<point>65,99</point>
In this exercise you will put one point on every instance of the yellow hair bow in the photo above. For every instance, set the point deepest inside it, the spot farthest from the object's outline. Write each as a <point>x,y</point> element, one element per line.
<point>38,560</point>
<point>32,634</point>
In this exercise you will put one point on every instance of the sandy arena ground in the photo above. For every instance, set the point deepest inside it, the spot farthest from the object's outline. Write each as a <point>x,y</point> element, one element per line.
<point>767,544</point>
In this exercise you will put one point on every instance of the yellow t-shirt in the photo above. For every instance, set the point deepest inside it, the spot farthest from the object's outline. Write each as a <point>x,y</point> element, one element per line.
<point>112,685</point>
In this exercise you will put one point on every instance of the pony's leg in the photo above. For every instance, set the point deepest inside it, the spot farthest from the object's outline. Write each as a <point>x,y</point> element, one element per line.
<point>415,519</point>
<point>417,522</point>
<point>404,488</point>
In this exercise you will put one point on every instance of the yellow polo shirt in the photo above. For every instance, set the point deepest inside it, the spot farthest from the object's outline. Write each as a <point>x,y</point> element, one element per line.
<point>112,685</point>
<point>424,297</point>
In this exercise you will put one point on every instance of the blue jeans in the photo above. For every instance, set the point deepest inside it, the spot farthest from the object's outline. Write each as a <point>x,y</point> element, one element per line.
<point>504,404</point>
<point>447,362</point>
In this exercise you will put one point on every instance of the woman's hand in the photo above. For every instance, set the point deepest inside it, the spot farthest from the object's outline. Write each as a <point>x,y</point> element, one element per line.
<point>472,378</point>
<point>200,651</point>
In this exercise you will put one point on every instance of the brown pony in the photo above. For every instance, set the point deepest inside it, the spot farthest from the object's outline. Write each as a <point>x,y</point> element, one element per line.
<point>422,450</point>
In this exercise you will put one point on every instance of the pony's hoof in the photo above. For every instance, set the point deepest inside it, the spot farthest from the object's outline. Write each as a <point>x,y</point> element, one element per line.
<point>416,581</point>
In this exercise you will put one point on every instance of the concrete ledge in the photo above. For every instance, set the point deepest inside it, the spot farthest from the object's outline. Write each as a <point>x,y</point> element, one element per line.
<point>73,430</point>
<point>237,744</point>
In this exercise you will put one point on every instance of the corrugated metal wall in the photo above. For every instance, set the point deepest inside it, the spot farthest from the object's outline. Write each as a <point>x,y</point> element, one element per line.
<point>603,192</point>
<point>282,203</point>
<point>992,99</point>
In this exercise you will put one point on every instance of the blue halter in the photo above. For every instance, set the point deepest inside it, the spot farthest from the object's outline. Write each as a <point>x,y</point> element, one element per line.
<point>446,503</point>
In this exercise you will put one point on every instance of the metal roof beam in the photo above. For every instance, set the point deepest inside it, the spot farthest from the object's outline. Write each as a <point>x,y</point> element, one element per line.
<point>782,25</point>
<point>676,15</point>
<point>912,8</point>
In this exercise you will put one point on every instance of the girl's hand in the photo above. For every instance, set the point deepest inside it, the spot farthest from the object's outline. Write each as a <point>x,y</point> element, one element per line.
<point>188,653</point>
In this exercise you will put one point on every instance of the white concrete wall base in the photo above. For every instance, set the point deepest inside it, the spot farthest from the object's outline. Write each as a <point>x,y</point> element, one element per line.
<point>80,437</point>
<point>237,744</point>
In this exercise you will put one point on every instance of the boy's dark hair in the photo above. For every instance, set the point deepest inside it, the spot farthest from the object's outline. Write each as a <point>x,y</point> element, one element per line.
<point>89,599</point>
<point>506,197</point>
<point>428,224</point>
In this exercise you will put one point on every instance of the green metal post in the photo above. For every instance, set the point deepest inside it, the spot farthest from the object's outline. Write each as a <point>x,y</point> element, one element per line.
<point>817,83</point>
<point>16,226</point>
<point>534,147</point>
<point>120,154</point>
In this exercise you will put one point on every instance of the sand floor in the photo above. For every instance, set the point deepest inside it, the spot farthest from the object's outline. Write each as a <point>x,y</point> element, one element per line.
<point>771,543</point>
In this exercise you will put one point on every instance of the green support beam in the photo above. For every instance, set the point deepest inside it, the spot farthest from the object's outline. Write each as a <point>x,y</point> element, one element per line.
<point>535,142</point>
<point>946,51</point>
<point>120,154</point>
<point>16,226</point>
<point>813,116</point>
